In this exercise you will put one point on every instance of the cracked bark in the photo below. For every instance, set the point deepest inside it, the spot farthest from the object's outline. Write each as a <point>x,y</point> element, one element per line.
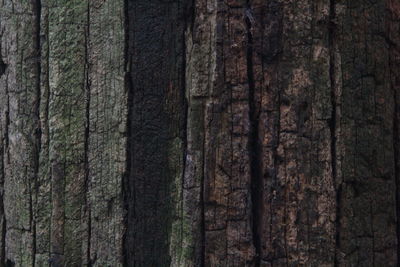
<point>205,132</point>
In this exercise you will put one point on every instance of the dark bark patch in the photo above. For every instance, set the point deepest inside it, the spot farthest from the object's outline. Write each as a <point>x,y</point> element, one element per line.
<point>3,67</point>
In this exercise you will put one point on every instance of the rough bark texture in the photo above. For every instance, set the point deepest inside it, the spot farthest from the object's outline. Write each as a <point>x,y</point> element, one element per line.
<point>155,114</point>
<point>199,133</point>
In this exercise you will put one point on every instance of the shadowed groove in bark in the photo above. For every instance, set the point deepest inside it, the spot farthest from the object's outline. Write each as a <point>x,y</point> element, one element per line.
<point>202,235</point>
<point>396,150</point>
<point>189,21</point>
<point>2,211</point>
<point>86,137</point>
<point>154,78</point>
<point>202,179</point>
<point>203,215</point>
<point>333,122</point>
<point>128,87</point>
<point>37,10</point>
<point>3,65</point>
<point>396,127</point>
<point>3,149</point>
<point>333,141</point>
<point>254,147</point>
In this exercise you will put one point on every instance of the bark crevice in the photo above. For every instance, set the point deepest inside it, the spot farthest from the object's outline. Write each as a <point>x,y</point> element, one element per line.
<point>86,138</point>
<point>4,156</point>
<point>396,150</point>
<point>254,149</point>
<point>37,10</point>
<point>3,65</point>
<point>126,192</point>
<point>333,124</point>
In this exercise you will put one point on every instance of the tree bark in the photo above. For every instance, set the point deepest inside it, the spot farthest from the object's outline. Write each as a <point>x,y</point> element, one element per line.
<point>199,133</point>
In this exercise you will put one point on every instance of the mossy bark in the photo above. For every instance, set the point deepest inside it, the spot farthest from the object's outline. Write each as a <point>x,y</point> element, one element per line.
<point>199,133</point>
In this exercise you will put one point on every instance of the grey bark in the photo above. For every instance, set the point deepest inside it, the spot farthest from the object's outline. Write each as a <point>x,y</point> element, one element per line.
<point>199,133</point>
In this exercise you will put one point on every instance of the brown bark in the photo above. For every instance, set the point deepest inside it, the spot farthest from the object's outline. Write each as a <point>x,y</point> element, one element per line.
<point>199,133</point>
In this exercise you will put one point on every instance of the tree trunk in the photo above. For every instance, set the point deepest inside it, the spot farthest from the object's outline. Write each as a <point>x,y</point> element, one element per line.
<point>199,133</point>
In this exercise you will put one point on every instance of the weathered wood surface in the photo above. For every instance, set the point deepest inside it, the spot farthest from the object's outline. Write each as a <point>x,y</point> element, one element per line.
<point>199,133</point>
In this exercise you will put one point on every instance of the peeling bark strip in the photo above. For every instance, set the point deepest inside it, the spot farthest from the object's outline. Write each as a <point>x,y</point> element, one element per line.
<point>199,133</point>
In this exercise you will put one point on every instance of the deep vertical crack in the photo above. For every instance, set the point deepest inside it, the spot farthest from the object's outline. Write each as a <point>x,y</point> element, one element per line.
<point>188,7</point>
<point>86,137</point>
<point>37,10</point>
<point>396,157</point>
<point>254,149</point>
<point>333,123</point>
<point>3,149</point>
<point>126,189</point>
<point>202,208</point>
<point>3,65</point>
<point>396,150</point>
<point>393,66</point>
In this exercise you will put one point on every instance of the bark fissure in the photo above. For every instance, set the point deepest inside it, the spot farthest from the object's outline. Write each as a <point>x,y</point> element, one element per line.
<point>188,9</point>
<point>254,149</point>
<point>2,210</point>
<point>202,210</point>
<point>87,212</point>
<point>4,156</point>
<point>126,191</point>
<point>3,65</point>
<point>396,150</point>
<point>274,142</point>
<point>396,120</point>
<point>333,124</point>
<point>37,10</point>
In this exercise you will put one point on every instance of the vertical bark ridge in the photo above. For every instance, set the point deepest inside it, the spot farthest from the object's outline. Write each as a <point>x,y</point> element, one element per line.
<point>197,87</point>
<point>67,123</point>
<point>107,132</point>
<point>210,133</point>
<point>20,53</point>
<point>177,238</point>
